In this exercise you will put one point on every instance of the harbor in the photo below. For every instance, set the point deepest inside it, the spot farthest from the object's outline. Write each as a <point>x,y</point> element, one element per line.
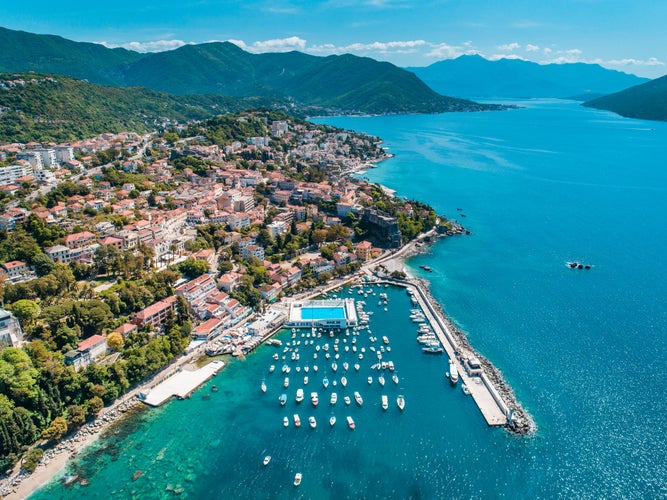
<point>180,384</point>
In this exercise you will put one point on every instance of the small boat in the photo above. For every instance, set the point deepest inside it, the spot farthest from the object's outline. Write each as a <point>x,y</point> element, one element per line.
<point>390,365</point>
<point>305,380</point>
<point>297,420</point>
<point>358,398</point>
<point>400,401</point>
<point>465,389</point>
<point>299,395</point>
<point>272,368</point>
<point>356,366</point>
<point>370,380</point>
<point>453,373</point>
<point>275,356</point>
<point>315,368</point>
<point>306,368</point>
<point>394,377</point>
<point>297,479</point>
<point>283,399</point>
<point>334,366</point>
<point>286,382</point>
<point>347,400</point>
<point>385,402</point>
<point>343,381</point>
<point>266,461</point>
<point>332,420</point>
<point>346,365</point>
<point>381,380</point>
<point>263,386</point>
<point>350,422</point>
<point>313,398</point>
<point>325,382</point>
<point>285,422</point>
<point>334,398</point>
<point>312,422</point>
<point>327,355</point>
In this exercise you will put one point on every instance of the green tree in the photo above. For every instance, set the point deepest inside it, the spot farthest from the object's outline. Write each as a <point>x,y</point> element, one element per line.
<point>56,430</point>
<point>115,341</point>
<point>192,268</point>
<point>27,311</point>
<point>43,264</point>
<point>32,459</point>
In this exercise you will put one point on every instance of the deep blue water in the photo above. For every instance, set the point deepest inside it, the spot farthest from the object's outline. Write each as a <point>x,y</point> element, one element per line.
<point>584,350</point>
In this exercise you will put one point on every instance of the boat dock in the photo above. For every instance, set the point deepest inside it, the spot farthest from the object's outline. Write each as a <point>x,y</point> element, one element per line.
<point>181,384</point>
<point>494,409</point>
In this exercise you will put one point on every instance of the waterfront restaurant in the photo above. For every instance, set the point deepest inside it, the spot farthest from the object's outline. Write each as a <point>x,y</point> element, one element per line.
<point>333,313</point>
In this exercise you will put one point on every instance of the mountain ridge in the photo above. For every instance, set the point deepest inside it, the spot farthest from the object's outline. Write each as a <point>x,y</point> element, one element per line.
<point>647,101</point>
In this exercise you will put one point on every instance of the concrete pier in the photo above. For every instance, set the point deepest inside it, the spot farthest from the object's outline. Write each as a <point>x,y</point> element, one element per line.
<point>490,403</point>
<point>181,384</point>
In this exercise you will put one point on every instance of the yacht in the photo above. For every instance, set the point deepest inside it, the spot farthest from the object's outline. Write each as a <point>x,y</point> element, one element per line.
<point>332,420</point>
<point>313,398</point>
<point>299,395</point>
<point>267,459</point>
<point>297,479</point>
<point>357,398</point>
<point>350,422</point>
<point>385,402</point>
<point>285,422</point>
<point>334,398</point>
<point>297,420</point>
<point>312,422</point>
<point>286,382</point>
<point>263,386</point>
<point>325,382</point>
<point>400,401</point>
<point>381,380</point>
<point>385,339</point>
<point>453,373</point>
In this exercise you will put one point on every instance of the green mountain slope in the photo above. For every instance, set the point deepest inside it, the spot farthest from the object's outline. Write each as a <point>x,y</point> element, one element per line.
<point>23,52</point>
<point>647,101</point>
<point>59,108</point>
<point>475,76</point>
<point>344,84</point>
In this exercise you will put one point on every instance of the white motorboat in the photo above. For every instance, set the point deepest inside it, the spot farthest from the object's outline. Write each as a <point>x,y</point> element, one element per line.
<point>334,366</point>
<point>394,377</point>
<point>286,382</point>
<point>299,395</point>
<point>315,368</point>
<point>285,422</point>
<point>357,366</point>
<point>272,368</point>
<point>297,420</point>
<point>347,400</point>
<point>343,381</point>
<point>325,382</point>
<point>400,401</point>
<point>312,422</point>
<point>266,461</point>
<point>263,386</point>
<point>334,398</point>
<point>385,402</point>
<point>314,399</point>
<point>370,380</point>
<point>453,373</point>
<point>332,420</point>
<point>305,380</point>
<point>350,422</point>
<point>346,365</point>
<point>358,398</point>
<point>297,479</point>
<point>381,380</point>
<point>306,368</point>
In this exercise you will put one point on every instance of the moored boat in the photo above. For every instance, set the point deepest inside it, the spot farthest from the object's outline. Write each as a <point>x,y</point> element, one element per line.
<point>263,386</point>
<point>381,380</point>
<point>297,420</point>
<point>334,398</point>
<point>299,395</point>
<point>283,399</point>
<point>347,400</point>
<point>266,461</point>
<point>332,420</point>
<point>357,397</point>
<point>325,382</point>
<point>385,402</point>
<point>350,422</point>
<point>400,401</point>
<point>312,422</point>
<point>286,382</point>
<point>453,373</point>
<point>297,479</point>
<point>343,381</point>
<point>314,399</point>
<point>394,377</point>
<point>285,422</point>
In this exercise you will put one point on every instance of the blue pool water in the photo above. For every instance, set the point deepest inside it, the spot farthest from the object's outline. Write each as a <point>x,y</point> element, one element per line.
<point>314,313</point>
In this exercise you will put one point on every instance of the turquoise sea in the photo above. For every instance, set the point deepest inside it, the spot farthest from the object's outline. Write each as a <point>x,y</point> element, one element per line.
<point>584,350</point>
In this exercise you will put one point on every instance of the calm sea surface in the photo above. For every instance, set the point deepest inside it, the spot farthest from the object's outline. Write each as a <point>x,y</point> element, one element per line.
<point>584,350</point>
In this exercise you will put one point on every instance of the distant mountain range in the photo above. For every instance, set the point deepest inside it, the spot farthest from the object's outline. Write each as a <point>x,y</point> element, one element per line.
<point>345,84</point>
<point>647,101</point>
<point>476,77</point>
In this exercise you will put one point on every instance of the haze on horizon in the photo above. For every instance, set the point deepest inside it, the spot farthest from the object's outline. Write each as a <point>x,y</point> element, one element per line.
<point>626,35</point>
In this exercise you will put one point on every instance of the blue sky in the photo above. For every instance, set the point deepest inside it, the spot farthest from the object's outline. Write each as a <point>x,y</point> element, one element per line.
<point>628,35</point>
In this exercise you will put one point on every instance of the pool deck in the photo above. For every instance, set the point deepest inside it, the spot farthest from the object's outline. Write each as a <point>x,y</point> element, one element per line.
<point>181,384</point>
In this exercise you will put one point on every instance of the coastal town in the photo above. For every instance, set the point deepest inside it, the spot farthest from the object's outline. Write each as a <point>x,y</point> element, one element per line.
<point>126,257</point>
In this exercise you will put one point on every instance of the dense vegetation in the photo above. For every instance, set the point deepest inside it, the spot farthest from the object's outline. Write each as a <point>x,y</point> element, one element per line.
<point>647,101</point>
<point>327,84</point>
<point>59,108</point>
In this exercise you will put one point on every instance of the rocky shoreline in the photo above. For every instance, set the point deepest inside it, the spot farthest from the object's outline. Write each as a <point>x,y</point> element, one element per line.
<point>68,448</point>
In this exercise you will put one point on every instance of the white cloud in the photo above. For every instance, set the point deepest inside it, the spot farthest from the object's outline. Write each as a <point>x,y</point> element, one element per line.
<point>446,51</point>
<point>154,46</point>
<point>531,48</point>
<point>651,61</point>
<point>509,47</point>
<point>496,57</point>
<point>384,48</point>
<point>274,45</point>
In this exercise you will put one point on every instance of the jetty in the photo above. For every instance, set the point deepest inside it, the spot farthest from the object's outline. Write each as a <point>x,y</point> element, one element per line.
<point>180,384</point>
